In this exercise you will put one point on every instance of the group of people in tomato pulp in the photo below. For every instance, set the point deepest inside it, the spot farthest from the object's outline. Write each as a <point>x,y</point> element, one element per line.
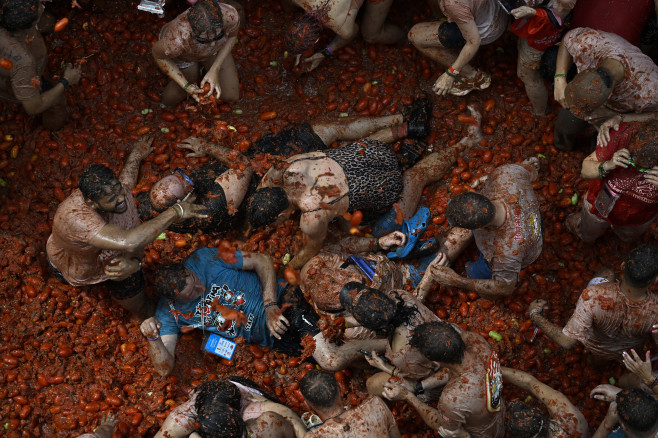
<point>371,195</point>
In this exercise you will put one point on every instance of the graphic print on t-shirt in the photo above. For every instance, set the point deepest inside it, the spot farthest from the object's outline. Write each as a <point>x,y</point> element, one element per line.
<point>225,297</point>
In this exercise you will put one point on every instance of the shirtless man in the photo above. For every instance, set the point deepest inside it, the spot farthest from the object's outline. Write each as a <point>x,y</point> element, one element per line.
<point>471,399</point>
<point>611,316</point>
<point>254,408</point>
<point>506,225</point>
<point>371,419</point>
<point>615,82</point>
<point>22,44</point>
<point>563,420</point>
<point>339,16</point>
<point>454,43</point>
<point>203,35</point>
<point>363,175</point>
<point>96,235</point>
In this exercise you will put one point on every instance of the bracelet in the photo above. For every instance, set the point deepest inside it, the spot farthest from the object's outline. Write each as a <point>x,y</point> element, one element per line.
<point>418,387</point>
<point>559,75</point>
<point>654,383</point>
<point>327,52</point>
<point>138,261</point>
<point>602,172</point>
<point>187,85</point>
<point>270,304</point>
<point>456,77</point>
<point>153,339</point>
<point>181,213</point>
<point>64,82</point>
<point>376,247</point>
<point>395,370</point>
<point>534,312</point>
<point>621,117</point>
<point>453,71</point>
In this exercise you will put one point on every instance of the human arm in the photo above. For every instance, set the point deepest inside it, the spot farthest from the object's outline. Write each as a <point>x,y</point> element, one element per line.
<point>345,33</point>
<point>106,428</point>
<point>314,225</point>
<point>161,349</point>
<point>562,65</point>
<point>552,331</point>
<point>605,392</point>
<point>213,72</point>
<point>609,422</point>
<point>641,368</point>
<point>201,148</point>
<point>170,68</point>
<point>179,423</point>
<point>288,414</point>
<point>141,149</point>
<point>354,245</point>
<point>523,12</point>
<point>262,265</point>
<point>428,280</point>
<point>603,136</point>
<point>591,164</point>
<point>448,277</point>
<point>42,101</point>
<point>132,241</point>
<point>471,34</point>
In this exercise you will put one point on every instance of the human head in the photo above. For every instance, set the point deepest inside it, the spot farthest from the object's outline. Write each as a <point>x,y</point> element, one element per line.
<point>206,21</point>
<point>637,411</point>
<point>523,421</point>
<point>175,282</point>
<point>100,186</point>
<point>588,91</point>
<point>374,310</point>
<point>439,341</point>
<point>644,145</point>
<point>470,210</point>
<point>303,33</point>
<point>220,420</point>
<point>641,267</point>
<point>217,391</point>
<point>19,14</point>
<point>166,192</point>
<point>319,388</point>
<point>266,204</point>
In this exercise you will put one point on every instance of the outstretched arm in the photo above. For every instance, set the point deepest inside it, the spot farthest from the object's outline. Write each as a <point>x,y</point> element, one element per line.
<point>447,276</point>
<point>201,148</point>
<point>552,331</point>
<point>314,225</point>
<point>130,171</point>
<point>161,349</point>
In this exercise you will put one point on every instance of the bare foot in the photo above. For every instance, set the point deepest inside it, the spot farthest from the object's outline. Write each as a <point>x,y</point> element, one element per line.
<point>474,131</point>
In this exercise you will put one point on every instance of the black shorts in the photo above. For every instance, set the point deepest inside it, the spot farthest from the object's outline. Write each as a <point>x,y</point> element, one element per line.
<point>450,36</point>
<point>292,140</point>
<point>302,319</point>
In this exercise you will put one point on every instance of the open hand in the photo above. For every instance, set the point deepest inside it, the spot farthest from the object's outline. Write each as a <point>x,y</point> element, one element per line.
<point>143,147</point>
<point>312,62</point>
<point>603,137</point>
<point>391,240</point>
<point>120,268</point>
<point>211,79</point>
<point>394,391</point>
<point>151,327</point>
<point>276,322</point>
<point>523,11</point>
<point>637,366</point>
<point>605,392</point>
<point>443,84</point>
<point>197,145</point>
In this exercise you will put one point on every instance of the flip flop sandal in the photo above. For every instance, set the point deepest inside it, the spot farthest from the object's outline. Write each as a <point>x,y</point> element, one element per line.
<point>413,228</point>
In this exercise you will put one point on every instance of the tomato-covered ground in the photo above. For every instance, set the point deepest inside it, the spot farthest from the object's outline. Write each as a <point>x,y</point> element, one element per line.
<point>70,355</point>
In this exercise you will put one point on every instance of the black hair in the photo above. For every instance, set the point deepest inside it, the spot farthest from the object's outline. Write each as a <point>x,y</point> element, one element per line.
<point>220,420</point>
<point>641,266</point>
<point>523,421</point>
<point>637,410</point>
<point>19,14</point>
<point>319,387</point>
<point>206,21</point>
<point>644,145</point>
<point>589,90</point>
<point>470,210</point>
<point>265,205</point>
<point>374,310</point>
<point>217,391</point>
<point>94,179</point>
<point>439,341</point>
<point>303,33</point>
<point>169,280</point>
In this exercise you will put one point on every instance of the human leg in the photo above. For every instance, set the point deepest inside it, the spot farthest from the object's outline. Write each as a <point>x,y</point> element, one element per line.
<point>55,117</point>
<point>228,79</point>
<point>129,293</point>
<point>375,28</point>
<point>587,226</point>
<point>357,128</point>
<point>568,131</point>
<point>527,70</point>
<point>630,234</point>
<point>173,94</point>
<point>425,37</point>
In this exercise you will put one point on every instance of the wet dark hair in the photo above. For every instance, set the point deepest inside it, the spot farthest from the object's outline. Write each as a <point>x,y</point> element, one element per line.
<point>18,14</point>
<point>319,387</point>
<point>169,280</point>
<point>303,33</point>
<point>265,205</point>
<point>523,421</point>
<point>637,410</point>
<point>374,310</point>
<point>439,341</point>
<point>94,179</point>
<point>206,21</point>
<point>217,391</point>
<point>220,420</point>
<point>470,211</point>
<point>641,266</point>
<point>644,145</point>
<point>589,90</point>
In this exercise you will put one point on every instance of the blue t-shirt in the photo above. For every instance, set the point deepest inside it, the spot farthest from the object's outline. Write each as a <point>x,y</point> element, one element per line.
<point>233,287</point>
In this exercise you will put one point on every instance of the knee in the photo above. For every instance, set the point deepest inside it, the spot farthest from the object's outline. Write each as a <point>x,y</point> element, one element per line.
<point>413,35</point>
<point>231,95</point>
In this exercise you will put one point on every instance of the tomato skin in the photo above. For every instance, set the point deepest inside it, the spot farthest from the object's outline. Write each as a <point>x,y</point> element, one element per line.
<point>268,115</point>
<point>6,64</point>
<point>61,24</point>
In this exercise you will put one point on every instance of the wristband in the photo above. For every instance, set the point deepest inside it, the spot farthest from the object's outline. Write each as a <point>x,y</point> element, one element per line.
<point>653,384</point>
<point>327,52</point>
<point>376,247</point>
<point>270,304</point>
<point>454,76</point>
<point>453,71</point>
<point>602,172</point>
<point>559,75</point>
<point>138,261</point>
<point>64,82</point>
<point>187,85</point>
<point>534,312</point>
<point>418,387</point>
<point>153,339</point>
